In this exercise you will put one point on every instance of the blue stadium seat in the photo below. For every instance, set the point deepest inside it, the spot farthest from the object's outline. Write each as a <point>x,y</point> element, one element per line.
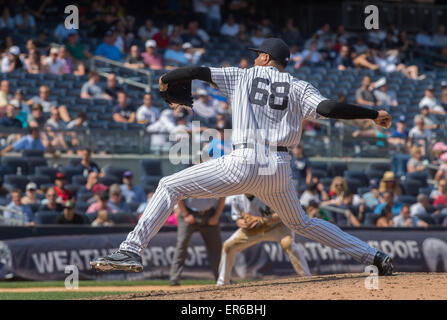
<point>32,153</point>
<point>46,217</point>
<point>74,162</point>
<point>14,163</point>
<point>79,180</point>
<point>374,175</point>
<point>40,180</point>
<point>116,172</point>
<point>411,187</point>
<point>420,176</point>
<point>151,167</point>
<point>319,173</point>
<point>358,175</point>
<point>337,169</point>
<point>354,184</point>
<point>122,218</point>
<point>81,207</point>
<point>16,181</point>
<point>34,162</point>
<point>379,166</point>
<point>47,171</point>
<point>109,180</point>
<point>70,172</point>
<point>319,165</point>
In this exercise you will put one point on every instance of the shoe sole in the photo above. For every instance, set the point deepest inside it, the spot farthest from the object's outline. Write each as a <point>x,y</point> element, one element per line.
<point>388,267</point>
<point>108,266</point>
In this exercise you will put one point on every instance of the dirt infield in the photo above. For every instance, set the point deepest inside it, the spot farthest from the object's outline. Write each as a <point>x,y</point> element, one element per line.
<point>147,288</point>
<point>401,286</point>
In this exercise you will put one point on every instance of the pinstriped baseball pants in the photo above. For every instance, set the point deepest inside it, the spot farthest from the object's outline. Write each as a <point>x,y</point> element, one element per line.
<point>243,171</point>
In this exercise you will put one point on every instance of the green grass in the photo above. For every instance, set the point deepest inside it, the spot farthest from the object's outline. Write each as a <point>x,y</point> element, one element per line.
<point>94,283</point>
<point>54,295</point>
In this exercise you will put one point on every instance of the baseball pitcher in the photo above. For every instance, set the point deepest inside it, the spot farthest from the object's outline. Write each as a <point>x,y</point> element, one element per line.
<point>257,223</point>
<point>268,108</point>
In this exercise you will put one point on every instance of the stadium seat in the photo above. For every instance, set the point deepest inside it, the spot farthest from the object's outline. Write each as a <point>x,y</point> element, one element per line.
<point>319,165</point>
<point>46,217</point>
<point>151,167</point>
<point>74,162</point>
<point>34,207</point>
<point>39,180</point>
<point>379,166</point>
<point>70,172</point>
<point>73,188</point>
<point>109,180</point>
<point>32,153</point>
<point>34,162</point>
<point>122,218</point>
<point>81,207</point>
<point>115,172</point>
<point>357,175</point>
<point>422,177</point>
<point>411,187</point>
<point>17,165</point>
<point>354,184</point>
<point>319,173</point>
<point>337,169</point>
<point>47,171</point>
<point>79,180</point>
<point>374,175</point>
<point>16,181</point>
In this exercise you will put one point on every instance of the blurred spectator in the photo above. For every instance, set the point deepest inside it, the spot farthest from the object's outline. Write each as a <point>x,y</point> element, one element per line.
<point>440,200</point>
<point>387,61</point>
<point>360,47</point>
<point>441,186</point>
<point>430,101</point>
<point>389,183</point>
<point>29,142</point>
<point>338,187</point>
<point>77,51</point>
<point>130,192</point>
<point>314,192</point>
<point>366,60</point>
<point>6,20</point>
<point>364,94</point>
<point>353,215</point>
<point>37,117</point>
<point>440,60</point>
<point>419,134</point>
<point>416,163</point>
<point>102,219</point>
<point>11,61</point>
<point>312,56</point>
<point>197,37</point>
<point>400,135</point>
<point>142,207</point>
<point>61,33</point>
<point>175,54</point>
<point>107,48</point>
<point>444,99</point>
<point>219,146</point>
<point>301,169</point>
<point>405,220</point>
<point>31,196</point>
<point>388,200</point>
<point>328,53</point>
<point>230,28</point>
<point>112,88</point>
<point>60,183</point>
<point>372,197</point>
<point>80,122</point>
<point>33,62</point>
<point>440,38</point>
<point>162,38</point>
<point>152,59</point>
<point>50,203</point>
<point>386,218</point>
<point>54,127</point>
<point>422,209</point>
<point>192,54</point>
<point>116,201</point>
<point>52,64</point>
<point>313,211</point>
<point>214,17</point>
<point>15,210</point>
<point>384,97</point>
<point>244,63</point>
<point>44,100</point>
<point>134,60</point>
<point>5,96</point>
<point>101,203</point>
<point>441,173</point>
<point>86,164</point>
<point>290,34</point>
<point>147,31</point>
<point>243,36</point>
<point>429,123</point>
<point>206,106</point>
<point>257,38</point>
<point>146,113</point>
<point>91,89</point>
<point>123,112</point>
<point>390,41</point>
<point>10,120</point>
<point>86,191</point>
<point>69,216</point>
<point>344,59</point>
<point>423,38</point>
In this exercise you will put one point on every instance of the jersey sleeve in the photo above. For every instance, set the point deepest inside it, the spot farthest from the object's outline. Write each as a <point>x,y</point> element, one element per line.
<point>226,79</point>
<point>308,98</point>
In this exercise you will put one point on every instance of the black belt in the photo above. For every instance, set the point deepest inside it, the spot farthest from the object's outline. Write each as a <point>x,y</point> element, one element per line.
<point>202,212</point>
<point>252,146</point>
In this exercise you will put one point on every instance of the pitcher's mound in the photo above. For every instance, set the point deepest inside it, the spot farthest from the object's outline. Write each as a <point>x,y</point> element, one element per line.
<point>414,286</point>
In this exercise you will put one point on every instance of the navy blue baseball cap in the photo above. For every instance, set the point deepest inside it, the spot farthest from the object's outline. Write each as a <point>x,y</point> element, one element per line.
<point>275,47</point>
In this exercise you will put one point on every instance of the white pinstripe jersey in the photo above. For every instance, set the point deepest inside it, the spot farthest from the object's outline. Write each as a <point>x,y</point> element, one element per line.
<point>267,104</point>
<point>255,207</point>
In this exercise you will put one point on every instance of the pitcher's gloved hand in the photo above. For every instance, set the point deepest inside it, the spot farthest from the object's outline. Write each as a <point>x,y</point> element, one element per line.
<point>176,94</point>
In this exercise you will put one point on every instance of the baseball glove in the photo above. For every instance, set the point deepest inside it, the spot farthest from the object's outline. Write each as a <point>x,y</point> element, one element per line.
<point>255,224</point>
<point>178,93</point>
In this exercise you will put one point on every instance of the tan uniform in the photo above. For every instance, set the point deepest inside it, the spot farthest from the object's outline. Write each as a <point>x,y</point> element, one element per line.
<point>243,239</point>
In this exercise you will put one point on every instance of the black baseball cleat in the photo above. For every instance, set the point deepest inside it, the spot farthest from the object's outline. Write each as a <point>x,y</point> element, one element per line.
<point>383,263</point>
<point>119,260</point>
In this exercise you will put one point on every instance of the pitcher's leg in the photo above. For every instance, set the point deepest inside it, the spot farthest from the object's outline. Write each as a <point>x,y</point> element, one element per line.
<point>287,205</point>
<point>211,179</point>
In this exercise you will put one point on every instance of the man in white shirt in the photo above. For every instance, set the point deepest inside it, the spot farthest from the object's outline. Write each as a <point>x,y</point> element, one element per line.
<point>147,31</point>
<point>430,101</point>
<point>52,64</point>
<point>404,219</point>
<point>11,60</point>
<point>206,106</point>
<point>419,131</point>
<point>230,27</point>
<point>383,96</point>
<point>147,114</point>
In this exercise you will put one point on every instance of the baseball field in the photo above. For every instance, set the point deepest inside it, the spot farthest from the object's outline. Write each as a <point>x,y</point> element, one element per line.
<point>401,286</point>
